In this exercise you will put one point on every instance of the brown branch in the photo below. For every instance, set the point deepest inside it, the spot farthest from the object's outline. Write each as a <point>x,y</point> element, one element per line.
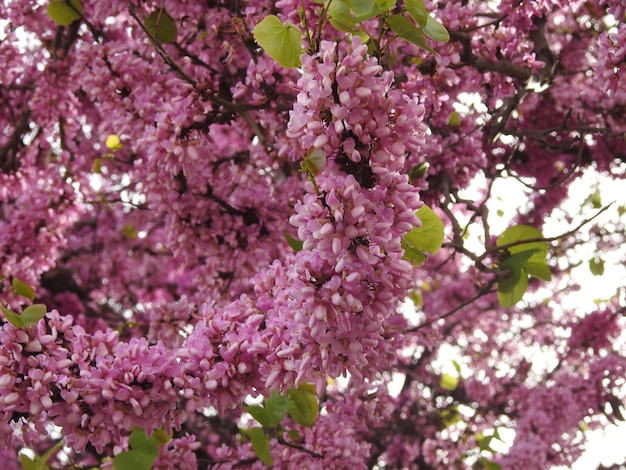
<point>544,239</point>
<point>7,162</point>
<point>481,64</point>
<point>300,448</point>
<point>485,290</point>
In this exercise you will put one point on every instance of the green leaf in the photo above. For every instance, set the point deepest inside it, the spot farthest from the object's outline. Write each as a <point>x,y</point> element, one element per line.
<point>161,437</point>
<point>511,292</point>
<point>419,171</point>
<point>161,26</point>
<point>380,7</point>
<point>283,42</point>
<point>405,29</point>
<point>484,442</point>
<point>28,463</point>
<point>596,266</point>
<point>417,10</point>
<point>361,6</point>
<point>314,162</point>
<point>448,382</point>
<point>454,119</point>
<point>295,244</point>
<point>30,316</point>
<point>113,142</point>
<point>97,165</point>
<point>536,265</point>
<point>517,262</point>
<point>33,313</point>
<point>142,443</point>
<point>274,410</point>
<point>276,407</point>
<point>412,255</point>
<point>133,460</point>
<point>303,405</point>
<point>261,445</point>
<point>429,237</point>
<point>258,413</point>
<point>64,12</point>
<point>23,289</point>
<point>12,317</point>
<point>513,287</point>
<point>596,200</point>
<point>431,232</point>
<point>450,415</point>
<point>129,231</point>
<point>340,17</point>
<point>143,454</point>
<point>490,465</point>
<point>435,30</point>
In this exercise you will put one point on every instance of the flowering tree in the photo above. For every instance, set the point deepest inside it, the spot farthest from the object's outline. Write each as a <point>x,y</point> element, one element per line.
<point>212,212</point>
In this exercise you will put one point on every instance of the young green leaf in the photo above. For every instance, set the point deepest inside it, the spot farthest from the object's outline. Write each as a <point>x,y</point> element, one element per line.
<point>380,7</point>
<point>112,141</point>
<point>419,171</point>
<point>314,161</point>
<point>435,30</point>
<point>536,265</point>
<point>143,454</point>
<point>362,6</point>
<point>596,266</point>
<point>261,445</point>
<point>23,289</point>
<point>429,237</point>
<point>33,313</point>
<point>259,413</point>
<point>340,17</point>
<point>431,231</point>
<point>276,407</point>
<point>512,289</point>
<point>448,382</point>
<point>161,26</point>
<point>64,12</point>
<point>132,460</point>
<point>303,405</point>
<point>295,244</point>
<point>30,316</point>
<point>450,415</point>
<point>12,317</point>
<point>490,465</point>
<point>417,10</point>
<point>405,29</point>
<point>39,462</point>
<point>283,42</point>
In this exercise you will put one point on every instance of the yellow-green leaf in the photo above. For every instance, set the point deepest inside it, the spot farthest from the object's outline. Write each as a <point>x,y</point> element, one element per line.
<point>435,30</point>
<point>536,265</point>
<point>596,266</point>
<point>405,29</point>
<point>340,17</point>
<point>261,445</point>
<point>64,12</point>
<point>112,142</point>
<point>30,316</point>
<point>283,42</point>
<point>161,26</point>
<point>448,382</point>
<point>429,237</point>
<point>303,405</point>
<point>417,10</point>
<point>23,289</point>
<point>510,294</point>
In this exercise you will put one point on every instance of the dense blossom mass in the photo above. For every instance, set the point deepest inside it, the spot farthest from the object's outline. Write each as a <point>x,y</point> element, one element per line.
<point>219,224</point>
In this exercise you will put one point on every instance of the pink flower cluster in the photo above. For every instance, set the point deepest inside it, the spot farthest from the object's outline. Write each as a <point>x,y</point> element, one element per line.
<point>95,388</point>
